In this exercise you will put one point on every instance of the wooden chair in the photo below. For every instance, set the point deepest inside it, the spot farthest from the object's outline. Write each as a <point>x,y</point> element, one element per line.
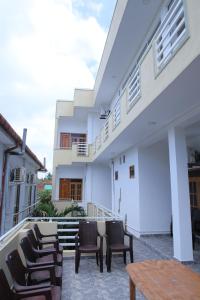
<point>38,292</point>
<point>115,234</point>
<point>86,242</point>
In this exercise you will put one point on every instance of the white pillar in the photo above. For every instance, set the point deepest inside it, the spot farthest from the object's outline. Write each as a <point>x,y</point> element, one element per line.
<point>182,234</point>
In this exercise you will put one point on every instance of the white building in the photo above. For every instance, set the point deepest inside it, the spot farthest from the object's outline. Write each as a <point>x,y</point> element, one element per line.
<point>18,174</point>
<point>128,143</point>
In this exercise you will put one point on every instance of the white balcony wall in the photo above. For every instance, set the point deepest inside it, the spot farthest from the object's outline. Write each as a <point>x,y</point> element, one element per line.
<point>155,189</point>
<point>98,185</point>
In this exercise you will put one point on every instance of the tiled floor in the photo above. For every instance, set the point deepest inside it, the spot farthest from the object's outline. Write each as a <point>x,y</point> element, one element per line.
<point>90,284</point>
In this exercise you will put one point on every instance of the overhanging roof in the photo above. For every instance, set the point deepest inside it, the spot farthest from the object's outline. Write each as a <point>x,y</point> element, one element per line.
<point>16,138</point>
<point>131,22</point>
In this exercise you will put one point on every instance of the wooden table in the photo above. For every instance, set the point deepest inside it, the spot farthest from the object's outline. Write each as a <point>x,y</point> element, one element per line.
<point>163,279</point>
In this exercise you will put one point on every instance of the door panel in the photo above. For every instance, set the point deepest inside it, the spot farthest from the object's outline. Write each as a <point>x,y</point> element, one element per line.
<point>65,140</point>
<point>64,189</point>
<point>70,189</point>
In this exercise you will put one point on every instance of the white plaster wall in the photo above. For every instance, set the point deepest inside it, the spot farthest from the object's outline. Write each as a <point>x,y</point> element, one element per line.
<point>69,125</point>
<point>129,189</point>
<point>77,172</point>
<point>97,126</point>
<point>98,185</point>
<point>155,189</point>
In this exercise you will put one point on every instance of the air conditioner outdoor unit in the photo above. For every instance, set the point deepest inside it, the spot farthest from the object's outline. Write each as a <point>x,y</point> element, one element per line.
<point>19,174</point>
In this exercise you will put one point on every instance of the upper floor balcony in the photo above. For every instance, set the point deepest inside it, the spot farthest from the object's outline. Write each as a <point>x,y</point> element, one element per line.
<point>171,49</point>
<point>73,147</point>
<point>80,152</point>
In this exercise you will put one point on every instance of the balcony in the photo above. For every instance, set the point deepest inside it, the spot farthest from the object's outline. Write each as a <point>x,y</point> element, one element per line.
<point>89,283</point>
<point>79,152</point>
<point>169,52</point>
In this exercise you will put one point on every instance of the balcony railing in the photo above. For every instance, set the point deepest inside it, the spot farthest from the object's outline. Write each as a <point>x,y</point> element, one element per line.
<point>106,130</point>
<point>82,149</point>
<point>171,34</point>
<point>133,88</point>
<point>168,36</point>
<point>116,113</point>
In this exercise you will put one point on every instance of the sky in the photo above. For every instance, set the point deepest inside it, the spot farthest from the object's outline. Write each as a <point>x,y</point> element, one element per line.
<point>47,49</point>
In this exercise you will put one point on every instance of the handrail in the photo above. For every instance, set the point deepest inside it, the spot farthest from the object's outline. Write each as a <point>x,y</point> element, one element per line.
<point>28,207</point>
<point>13,230</point>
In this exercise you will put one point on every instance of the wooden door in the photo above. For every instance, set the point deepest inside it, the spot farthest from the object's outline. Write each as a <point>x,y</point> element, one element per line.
<point>76,190</point>
<point>64,189</point>
<point>194,184</point>
<point>78,138</point>
<point>65,140</point>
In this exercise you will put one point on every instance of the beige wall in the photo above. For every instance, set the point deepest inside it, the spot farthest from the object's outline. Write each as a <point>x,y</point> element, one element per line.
<point>152,85</point>
<point>83,97</point>
<point>68,156</point>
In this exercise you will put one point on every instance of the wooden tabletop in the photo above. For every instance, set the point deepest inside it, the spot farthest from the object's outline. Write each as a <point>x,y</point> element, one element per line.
<point>164,279</point>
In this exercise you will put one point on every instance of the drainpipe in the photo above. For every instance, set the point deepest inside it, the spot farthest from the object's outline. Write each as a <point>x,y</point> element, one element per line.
<point>10,151</point>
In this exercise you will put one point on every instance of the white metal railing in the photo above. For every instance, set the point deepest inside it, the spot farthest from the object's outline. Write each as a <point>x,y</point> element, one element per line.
<point>106,129</point>
<point>12,231</point>
<point>171,34</point>
<point>24,212</point>
<point>116,114</point>
<point>134,88</point>
<point>82,149</point>
<point>98,142</point>
<point>100,211</point>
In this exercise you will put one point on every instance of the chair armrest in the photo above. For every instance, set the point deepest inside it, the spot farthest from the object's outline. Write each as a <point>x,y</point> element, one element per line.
<point>43,252</point>
<point>48,242</point>
<point>40,264</point>
<point>50,235</point>
<point>33,293</point>
<point>50,268</point>
<point>130,238</point>
<point>24,288</point>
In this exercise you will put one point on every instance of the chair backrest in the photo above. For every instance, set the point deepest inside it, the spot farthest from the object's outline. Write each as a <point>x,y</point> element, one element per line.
<point>6,293</point>
<point>32,238</point>
<point>16,267</point>
<point>37,231</point>
<point>88,232</point>
<point>115,232</point>
<point>27,249</point>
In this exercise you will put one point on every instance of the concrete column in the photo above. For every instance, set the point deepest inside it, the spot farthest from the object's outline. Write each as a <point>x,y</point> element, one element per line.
<point>182,234</point>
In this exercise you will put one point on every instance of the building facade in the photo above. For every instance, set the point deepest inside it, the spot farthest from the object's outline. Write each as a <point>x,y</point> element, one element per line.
<point>131,142</point>
<point>18,177</point>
